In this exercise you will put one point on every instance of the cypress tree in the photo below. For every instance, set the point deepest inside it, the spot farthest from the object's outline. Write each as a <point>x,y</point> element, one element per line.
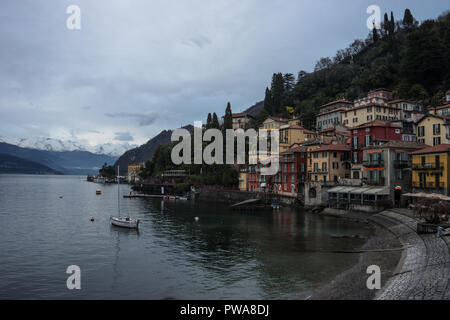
<point>374,34</point>
<point>392,25</point>
<point>408,19</point>
<point>215,122</point>
<point>228,118</point>
<point>208,121</point>
<point>386,24</point>
<point>268,105</point>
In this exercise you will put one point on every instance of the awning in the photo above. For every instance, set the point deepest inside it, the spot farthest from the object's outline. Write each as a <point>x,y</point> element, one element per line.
<point>378,191</point>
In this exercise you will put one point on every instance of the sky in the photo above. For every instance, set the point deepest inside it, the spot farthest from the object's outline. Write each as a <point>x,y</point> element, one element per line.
<point>137,67</point>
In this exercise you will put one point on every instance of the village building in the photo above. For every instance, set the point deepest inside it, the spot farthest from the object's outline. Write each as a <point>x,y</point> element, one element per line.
<point>290,134</point>
<point>243,177</point>
<point>293,173</point>
<point>431,130</point>
<point>330,163</point>
<point>133,172</point>
<point>431,169</point>
<point>370,134</point>
<point>241,120</point>
<point>330,114</point>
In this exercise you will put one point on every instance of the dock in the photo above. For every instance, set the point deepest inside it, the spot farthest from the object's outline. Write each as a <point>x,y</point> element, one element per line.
<point>250,205</point>
<point>139,195</point>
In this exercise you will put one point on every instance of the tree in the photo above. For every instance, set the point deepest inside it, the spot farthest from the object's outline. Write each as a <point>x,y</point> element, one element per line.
<point>392,25</point>
<point>386,24</point>
<point>289,81</point>
<point>277,91</point>
<point>268,104</point>
<point>215,122</point>
<point>107,171</point>
<point>408,19</point>
<point>375,35</point>
<point>209,121</point>
<point>228,118</point>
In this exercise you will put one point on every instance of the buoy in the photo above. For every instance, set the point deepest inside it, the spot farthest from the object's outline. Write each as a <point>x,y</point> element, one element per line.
<point>92,219</point>
<point>196,218</point>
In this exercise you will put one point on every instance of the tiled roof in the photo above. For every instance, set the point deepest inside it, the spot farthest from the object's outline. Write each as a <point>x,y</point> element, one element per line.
<point>333,147</point>
<point>279,119</point>
<point>332,111</point>
<point>336,102</point>
<point>400,144</point>
<point>443,106</point>
<point>296,149</point>
<point>378,123</point>
<point>436,149</point>
<point>241,115</point>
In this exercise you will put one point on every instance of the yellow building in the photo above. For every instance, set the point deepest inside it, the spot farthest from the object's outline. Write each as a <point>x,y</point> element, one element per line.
<point>361,114</point>
<point>431,130</point>
<point>431,169</point>
<point>290,134</point>
<point>273,123</point>
<point>329,163</point>
<point>133,171</point>
<point>243,181</point>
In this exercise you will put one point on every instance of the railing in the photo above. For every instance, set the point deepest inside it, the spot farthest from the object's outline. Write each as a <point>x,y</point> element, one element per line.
<point>428,185</point>
<point>401,163</point>
<point>319,171</point>
<point>428,166</point>
<point>373,164</point>
<point>379,182</point>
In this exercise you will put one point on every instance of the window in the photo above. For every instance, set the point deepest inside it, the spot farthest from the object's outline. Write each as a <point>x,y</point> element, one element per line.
<point>355,120</point>
<point>355,157</point>
<point>324,166</point>
<point>316,167</point>
<point>436,129</point>
<point>356,175</point>
<point>368,140</point>
<point>324,154</point>
<point>292,167</point>
<point>369,109</point>
<point>369,118</point>
<point>355,142</point>
<point>335,154</point>
<point>335,165</point>
<point>324,178</point>
<point>421,141</point>
<point>421,131</point>
<point>436,141</point>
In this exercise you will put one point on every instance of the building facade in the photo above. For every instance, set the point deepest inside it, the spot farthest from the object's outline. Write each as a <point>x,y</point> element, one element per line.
<point>329,163</point>
<point>430,169</point>
<point>431,130</point>
<point>293,173</point>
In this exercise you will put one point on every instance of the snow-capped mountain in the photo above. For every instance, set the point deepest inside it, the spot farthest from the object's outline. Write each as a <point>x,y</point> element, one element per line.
<point>50,144</point>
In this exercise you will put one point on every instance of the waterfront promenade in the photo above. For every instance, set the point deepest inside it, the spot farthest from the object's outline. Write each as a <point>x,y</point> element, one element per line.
<point>423,272</point>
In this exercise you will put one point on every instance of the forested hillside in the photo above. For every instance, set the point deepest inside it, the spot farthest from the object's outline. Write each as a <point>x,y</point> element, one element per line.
<point>409,58</point>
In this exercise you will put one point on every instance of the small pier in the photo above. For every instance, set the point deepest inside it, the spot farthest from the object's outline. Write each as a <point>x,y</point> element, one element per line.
<point>250,205</point>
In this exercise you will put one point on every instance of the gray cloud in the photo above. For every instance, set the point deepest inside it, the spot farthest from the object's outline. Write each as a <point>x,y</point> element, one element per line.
<point>142,119</point>
<point>123,136</point>
<point>160,64</point>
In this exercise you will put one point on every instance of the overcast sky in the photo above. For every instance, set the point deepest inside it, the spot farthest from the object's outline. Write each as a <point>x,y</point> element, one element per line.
<point>139,66</point>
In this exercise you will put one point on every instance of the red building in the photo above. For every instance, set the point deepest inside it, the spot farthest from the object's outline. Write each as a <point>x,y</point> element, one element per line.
<point>293,172</point>
<point>372,134</point>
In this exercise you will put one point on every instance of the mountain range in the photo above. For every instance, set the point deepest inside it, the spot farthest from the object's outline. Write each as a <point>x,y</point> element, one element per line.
<point>66,162</point>
<point>12,164</point>
<point>50,144</point>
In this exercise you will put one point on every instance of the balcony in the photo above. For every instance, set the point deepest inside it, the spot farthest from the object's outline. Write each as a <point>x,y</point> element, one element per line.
<point>379,182</point>
<point>428,185</point>
<point>428,166</point>
<point>401,164</point>
<point>374,164</point>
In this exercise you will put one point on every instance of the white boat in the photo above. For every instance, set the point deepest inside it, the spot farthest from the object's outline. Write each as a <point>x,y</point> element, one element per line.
<point>119,221</point>
<point>182,198</point>
<point>125,222</point>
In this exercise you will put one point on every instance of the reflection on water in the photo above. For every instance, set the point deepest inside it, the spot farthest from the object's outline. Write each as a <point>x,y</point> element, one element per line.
<point>223,255</point>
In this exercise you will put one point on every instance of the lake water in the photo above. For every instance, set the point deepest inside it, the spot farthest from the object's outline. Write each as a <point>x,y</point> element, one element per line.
<point>223,255</point>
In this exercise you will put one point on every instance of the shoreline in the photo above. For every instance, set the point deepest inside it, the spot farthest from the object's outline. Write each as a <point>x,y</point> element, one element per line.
<point>382,248</point>
<point>418,270</point>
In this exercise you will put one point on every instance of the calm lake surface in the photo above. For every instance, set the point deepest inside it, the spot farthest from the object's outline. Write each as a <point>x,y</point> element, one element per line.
<point>224,255</point>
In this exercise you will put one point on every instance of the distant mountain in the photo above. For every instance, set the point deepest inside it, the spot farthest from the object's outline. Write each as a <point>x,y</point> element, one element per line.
<point>66,162</point>
<point>255,109</point>
<point>49,144</point>
<point>12,164</point>
<point>145,152</point>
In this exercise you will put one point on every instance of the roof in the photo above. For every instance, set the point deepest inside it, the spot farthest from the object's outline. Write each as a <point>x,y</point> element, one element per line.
<point>278,119</point>
<point>445,106</point>
<point>403,144</point>
<point>399,100</point>
<point>335,102</point>
<point>333,147</point>
<point>434,116</point>
<point>332,111</point>
<point>378,123</point>
<point>241,115</point>
<point>436,149</point>
<point>380,89</point>
<point>296,149</point>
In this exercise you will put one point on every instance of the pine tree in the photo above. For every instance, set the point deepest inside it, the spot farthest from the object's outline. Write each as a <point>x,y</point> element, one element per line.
<point>208,121</point>
<point>408,19</point>
<point>215,121</point>
<point>374,34</point>
<point>289,81</point>
<point>386,24</point>
<point>392,25</point>
<point>268,105</point>
<point>228,118</point>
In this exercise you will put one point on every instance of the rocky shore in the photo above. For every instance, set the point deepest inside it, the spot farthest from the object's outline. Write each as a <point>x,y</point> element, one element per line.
<point>412,266</point>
